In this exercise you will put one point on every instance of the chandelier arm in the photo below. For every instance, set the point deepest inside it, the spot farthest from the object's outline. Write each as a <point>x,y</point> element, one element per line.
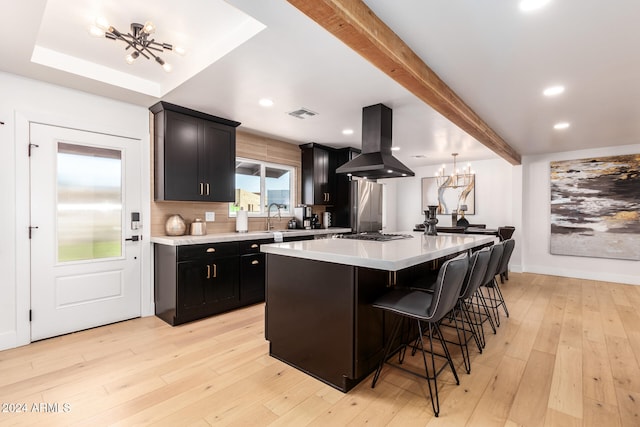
<point>125,38</point>
<point>139,42</point>
<point>155,57</point>
<point>154,48</point>
<point>140,50</point>
<point>141,53</point>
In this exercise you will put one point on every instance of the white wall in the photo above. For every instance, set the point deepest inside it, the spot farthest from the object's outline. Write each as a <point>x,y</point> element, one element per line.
<point>497,196</point>
<point>536,217</point>
<point>25,100</point>
<point>493,195</point>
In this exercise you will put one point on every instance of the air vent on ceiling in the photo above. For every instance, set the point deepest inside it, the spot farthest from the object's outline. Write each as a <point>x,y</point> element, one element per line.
<point>302,113</point>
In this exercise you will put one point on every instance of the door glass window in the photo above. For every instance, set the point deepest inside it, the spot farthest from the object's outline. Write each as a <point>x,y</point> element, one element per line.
<point>89,203</point>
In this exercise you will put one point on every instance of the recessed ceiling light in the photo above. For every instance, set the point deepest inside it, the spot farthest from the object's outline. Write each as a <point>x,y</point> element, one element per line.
<point>561,125</point>
<point>553,90</point>
<point>531,5</point>
<point>266,102</point>
<point>395,148</point>
<point>347,131</point>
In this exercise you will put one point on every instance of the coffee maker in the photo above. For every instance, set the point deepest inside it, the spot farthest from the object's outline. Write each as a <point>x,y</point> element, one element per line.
<point>303,216</point>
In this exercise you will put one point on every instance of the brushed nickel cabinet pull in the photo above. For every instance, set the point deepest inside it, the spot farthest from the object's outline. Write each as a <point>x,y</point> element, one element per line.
<point>201,189</point>
<point>207,188</point>
<point>255,245</point>
<point>215,270</point>
<point>211,250</point>
<point>255,262</point>
<point>208,271</point>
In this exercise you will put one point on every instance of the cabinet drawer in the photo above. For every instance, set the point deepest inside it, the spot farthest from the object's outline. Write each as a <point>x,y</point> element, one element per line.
<point>252,280</point>
<point>189,252</point>
<point>252,246</point>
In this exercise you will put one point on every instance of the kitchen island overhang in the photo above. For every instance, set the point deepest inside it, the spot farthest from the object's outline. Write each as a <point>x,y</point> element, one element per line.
<point>318,313</point>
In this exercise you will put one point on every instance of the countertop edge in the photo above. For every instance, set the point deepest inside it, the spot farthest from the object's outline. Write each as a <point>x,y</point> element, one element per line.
<point>375,263</point>
<point>235,237</point>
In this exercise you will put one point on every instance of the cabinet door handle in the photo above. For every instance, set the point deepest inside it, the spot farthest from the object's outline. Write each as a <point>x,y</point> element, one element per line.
<point>208,271</point>
<point>215,270</point>
<point>211,249</point>
<point>255,245</point>
<point>255,262</point>
<point>207,188</point>
<point>201,189</point>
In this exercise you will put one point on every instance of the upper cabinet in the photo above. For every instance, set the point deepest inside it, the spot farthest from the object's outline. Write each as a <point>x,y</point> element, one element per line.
<point>194,155</point>
<point>318,174</point>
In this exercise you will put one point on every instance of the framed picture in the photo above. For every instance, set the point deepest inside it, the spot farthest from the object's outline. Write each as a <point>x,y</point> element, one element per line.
<point>448,199</point>
<point>595,207</point>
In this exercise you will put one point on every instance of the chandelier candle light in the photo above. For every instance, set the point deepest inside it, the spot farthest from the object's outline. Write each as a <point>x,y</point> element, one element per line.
<point>456,179</point>
<point>137,40</point>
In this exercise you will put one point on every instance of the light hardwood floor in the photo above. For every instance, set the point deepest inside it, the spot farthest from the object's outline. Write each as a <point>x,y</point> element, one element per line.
<point>568,355</point>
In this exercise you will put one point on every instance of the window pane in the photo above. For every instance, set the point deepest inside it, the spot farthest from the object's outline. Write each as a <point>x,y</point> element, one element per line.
<point>89,205</point>
<point>278,187</point>
<point>247,187</point>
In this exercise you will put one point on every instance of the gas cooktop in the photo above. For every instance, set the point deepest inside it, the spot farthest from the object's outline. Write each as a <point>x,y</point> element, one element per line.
<point>377,237</point>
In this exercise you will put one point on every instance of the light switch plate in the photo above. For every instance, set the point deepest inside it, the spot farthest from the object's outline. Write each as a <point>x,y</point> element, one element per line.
<point>209,216</point>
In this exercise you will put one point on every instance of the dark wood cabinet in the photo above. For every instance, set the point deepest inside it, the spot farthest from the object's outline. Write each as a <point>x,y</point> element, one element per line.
<point>341,211</point>
<point>252,272</point>
<point>318,174</point>
<point>194,155</point>
<point>196,281</point>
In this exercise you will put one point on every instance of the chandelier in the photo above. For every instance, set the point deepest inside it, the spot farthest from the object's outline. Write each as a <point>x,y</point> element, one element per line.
<point>138,41</point>
<point>456,179</point>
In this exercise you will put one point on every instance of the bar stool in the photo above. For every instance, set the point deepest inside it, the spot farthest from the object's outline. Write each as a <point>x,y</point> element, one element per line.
<point>477,269</point>
<point>503,268</point>
<point>424,307</point>
<point>462,311</point>
<point>493,297</point>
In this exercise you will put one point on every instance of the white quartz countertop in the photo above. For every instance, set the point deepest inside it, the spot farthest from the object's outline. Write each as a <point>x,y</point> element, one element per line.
<point>391,255</point>
<point>252,235</point>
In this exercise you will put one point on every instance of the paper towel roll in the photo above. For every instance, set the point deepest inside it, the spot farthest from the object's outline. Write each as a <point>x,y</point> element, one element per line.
<point>242,221</point>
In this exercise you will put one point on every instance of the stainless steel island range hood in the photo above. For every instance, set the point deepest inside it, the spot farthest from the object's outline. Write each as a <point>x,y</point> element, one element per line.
<point>376,160</point>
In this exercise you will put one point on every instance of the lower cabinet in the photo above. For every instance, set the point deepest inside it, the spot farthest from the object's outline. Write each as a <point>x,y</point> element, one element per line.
<point>197,281</point>
<point>252,272</point>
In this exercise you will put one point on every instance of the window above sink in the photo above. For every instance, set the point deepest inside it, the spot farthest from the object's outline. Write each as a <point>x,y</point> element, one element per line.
<point>259,184</point>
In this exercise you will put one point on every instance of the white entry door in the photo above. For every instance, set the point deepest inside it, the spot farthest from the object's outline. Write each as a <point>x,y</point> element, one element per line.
<point>85,253</point>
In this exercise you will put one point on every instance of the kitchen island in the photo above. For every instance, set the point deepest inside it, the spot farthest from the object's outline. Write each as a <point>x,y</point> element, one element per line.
<point>318,315</point>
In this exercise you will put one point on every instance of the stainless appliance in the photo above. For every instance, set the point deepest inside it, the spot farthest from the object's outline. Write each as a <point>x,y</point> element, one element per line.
<point>366,210</point>
<point>302,215</point>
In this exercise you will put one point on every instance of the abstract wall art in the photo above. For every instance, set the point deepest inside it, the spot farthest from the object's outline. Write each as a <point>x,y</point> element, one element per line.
<point>595,207</point>
<point>448,199</point>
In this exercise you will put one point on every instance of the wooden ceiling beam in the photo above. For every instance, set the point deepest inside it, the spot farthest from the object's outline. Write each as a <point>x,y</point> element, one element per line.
<point>359,28</point>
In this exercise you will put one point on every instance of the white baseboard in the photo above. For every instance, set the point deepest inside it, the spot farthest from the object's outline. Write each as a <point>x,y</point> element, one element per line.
<point>580,274</point>
<point>8,340</point>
